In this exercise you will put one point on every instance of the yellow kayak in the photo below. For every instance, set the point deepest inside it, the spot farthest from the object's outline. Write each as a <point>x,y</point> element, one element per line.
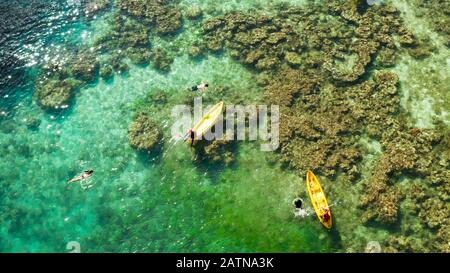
<point>207,121</point>
<point>318,200</point>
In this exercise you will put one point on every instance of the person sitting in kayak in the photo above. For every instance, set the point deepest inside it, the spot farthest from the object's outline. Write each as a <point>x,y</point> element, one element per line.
<point>84,175</point>
<point>190,135</point>
<point>201,87</point>
<point>326,215</point>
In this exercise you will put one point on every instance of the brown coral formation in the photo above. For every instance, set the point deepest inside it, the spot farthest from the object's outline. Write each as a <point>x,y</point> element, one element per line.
<point>94,7</point>
<point>295,34</point>
<point>161,59</point>
<point>437,12</point>
<point>215,152</point>
<point>58,82</point>
<point>54,94</point>
<point>85,66</point>
<point>143,133</point>
<point>133,22</point>
<point>403,244</point>
<point>165,18</point>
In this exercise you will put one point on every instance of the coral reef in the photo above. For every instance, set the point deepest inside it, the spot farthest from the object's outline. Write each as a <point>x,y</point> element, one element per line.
<point>215,152</point>
<point>268,42</point>
<point>316,128</point>
<point>384,209</point>
<point>165,18</point>
<point>402,244</point>
<point>85,66</point>
<point>324,73</point>
<point>161,59</point>
<point>322,64</point>
<point>55,94</point>
<point>292,58</point>
<point>139,56</point>
<point>386,57</point>
<point>359,6</point>
<point>106,72</point>
<point>195,51</point>
<point>144,133</point>
<point>132,23</point>
<point>32,123</point>
<point>193,13</point>
<point>57,82</point>
<point>436,12</point>
<point>95,7</point>
<point>405,152</point>
<point>435,213</point>
<point>443,237</point>
<point>128,38</point>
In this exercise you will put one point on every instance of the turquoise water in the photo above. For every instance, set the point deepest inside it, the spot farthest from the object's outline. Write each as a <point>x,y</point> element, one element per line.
<point>164,202</point>
<point>149,204</point>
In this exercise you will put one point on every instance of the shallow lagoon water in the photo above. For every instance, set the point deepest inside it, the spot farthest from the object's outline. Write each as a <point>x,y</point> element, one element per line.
<point>158,203</point>
<point>168,204</point>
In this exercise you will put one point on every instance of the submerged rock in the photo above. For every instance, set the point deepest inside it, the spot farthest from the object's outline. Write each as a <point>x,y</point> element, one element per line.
<point>144,133</point>
<point>215,152</point>
<point>194,12</point>
<point>435,213</point>
<point>166,18</point>
<point>106,72</point>
<point>194,51</point>
<point>56,94</point>
<point>93,7</point>
<point>161,59</point>
<point>292,58</point>
<point>85,66</point>
<point>32,123</point>
<point>139,55</point>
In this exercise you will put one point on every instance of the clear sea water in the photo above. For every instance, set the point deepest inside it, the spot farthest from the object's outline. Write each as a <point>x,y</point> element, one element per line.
<point>139,203</point>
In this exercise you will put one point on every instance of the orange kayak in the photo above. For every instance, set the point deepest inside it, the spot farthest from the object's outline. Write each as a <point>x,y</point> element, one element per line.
<point>318,199</point>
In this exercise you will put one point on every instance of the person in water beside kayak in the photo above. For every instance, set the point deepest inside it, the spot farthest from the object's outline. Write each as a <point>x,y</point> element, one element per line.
<point>298,202</point>
<point>83,176</point>
<point>299,211</point>
<point>201,87</point>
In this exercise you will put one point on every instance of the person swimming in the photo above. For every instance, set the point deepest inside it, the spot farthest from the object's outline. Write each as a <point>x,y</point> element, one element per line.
<point>299,210</point>
<point>83,176</point>
<point>201,87</point>
<point>298,202</point>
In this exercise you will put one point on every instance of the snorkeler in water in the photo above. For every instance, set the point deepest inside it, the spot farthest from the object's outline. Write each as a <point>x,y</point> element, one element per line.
<point>83,176</point>
<point>201,87</point>
<point>299,210</point>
